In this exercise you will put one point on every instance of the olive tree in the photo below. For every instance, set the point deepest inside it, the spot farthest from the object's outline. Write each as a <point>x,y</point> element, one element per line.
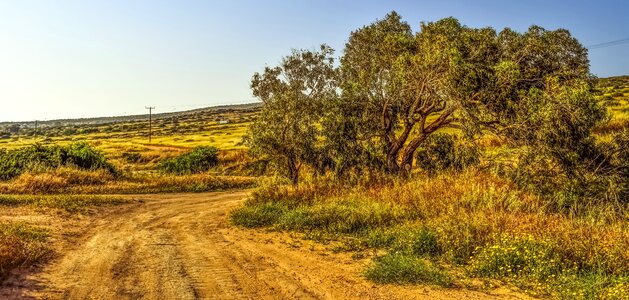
<point>293,93</point>
<point>399,87</point>
<point>403,86</point>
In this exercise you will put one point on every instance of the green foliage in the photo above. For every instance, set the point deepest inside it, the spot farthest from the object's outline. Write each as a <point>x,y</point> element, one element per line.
<point>84,156</point>
<point>293,93</point>
<point>200,159</point>
<point>39,157</point>
<point>400,268</point>
<point>444,152</point>
<point>538,265</point>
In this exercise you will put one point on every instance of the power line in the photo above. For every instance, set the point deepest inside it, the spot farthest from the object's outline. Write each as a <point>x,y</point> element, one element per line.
<point>150,108</point>
<point>608,44</point>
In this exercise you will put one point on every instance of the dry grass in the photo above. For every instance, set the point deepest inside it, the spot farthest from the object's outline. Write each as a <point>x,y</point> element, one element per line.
<point>460,221</point>
<point>73,181</point>
<point>20,244</point>
<point>69,203</point>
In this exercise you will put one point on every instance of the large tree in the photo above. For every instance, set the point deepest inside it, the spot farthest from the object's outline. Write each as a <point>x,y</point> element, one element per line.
<point>293,93</point>
<point>398,87</point>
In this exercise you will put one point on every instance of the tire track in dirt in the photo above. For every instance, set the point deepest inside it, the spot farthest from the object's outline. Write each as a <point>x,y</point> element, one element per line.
<point>180,246</point>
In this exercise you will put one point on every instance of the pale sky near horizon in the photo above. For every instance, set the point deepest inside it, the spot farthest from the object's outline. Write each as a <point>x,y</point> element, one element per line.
<point>73,59</point>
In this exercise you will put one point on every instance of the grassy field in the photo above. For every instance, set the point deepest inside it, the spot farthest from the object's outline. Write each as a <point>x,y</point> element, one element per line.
<point>472,229</point>
<point>614,93</point>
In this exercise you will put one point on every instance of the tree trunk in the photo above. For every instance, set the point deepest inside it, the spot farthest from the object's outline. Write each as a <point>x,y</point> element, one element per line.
<point>407,161</point>
<point>392,165</point>
<point>293,170</point>
<point>295,177</point>
<point>409,152</point>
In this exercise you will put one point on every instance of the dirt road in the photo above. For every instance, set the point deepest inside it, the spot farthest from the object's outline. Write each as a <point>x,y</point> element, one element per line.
<point>182,247</point>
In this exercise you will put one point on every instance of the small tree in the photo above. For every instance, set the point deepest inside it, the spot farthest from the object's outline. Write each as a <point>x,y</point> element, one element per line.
<point>293,93</point>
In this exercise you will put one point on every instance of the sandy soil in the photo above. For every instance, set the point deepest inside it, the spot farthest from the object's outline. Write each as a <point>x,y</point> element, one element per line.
<point>180,246</point>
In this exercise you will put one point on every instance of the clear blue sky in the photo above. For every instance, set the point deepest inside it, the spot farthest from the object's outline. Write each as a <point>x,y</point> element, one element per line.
<point>78,58</point>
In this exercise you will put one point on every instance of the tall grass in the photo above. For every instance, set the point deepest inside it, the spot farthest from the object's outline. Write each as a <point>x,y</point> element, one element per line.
<point>448,227</point>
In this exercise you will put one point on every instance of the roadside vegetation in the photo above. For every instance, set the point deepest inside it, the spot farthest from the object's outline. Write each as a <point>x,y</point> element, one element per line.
<point>451,155</point>
<point>21,244</point>
<point>448,228</point>
<point>59,171</point>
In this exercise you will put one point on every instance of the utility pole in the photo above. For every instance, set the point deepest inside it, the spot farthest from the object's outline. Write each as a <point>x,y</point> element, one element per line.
<point>150,108</point>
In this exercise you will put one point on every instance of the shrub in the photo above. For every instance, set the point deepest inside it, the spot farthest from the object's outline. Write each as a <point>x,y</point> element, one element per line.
<point>39,157</point>
<point>442,152</point>
<point>86,157</point>
<point>200,159</point>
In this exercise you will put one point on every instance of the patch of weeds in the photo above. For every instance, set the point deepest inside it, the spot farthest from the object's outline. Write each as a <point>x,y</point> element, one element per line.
<point>405,269</point>
<point>517,256</point>
<point>261,215</point>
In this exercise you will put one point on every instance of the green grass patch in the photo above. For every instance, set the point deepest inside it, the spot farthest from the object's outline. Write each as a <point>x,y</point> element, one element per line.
<point>347,217</point>
<point>262,215</point>
<point>405,269</point>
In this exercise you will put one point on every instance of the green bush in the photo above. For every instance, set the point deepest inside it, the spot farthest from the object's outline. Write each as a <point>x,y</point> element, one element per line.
<point>84,156</point>
<point>200,159</point>
<point>39,157</point>
<point>443,152</point>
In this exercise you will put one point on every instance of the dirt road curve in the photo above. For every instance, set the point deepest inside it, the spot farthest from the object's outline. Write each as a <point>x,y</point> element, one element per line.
<point>181,247</point>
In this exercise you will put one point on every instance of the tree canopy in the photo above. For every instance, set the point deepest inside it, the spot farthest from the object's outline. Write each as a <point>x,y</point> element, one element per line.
<point>293,94</point>
<point>393,88</point>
